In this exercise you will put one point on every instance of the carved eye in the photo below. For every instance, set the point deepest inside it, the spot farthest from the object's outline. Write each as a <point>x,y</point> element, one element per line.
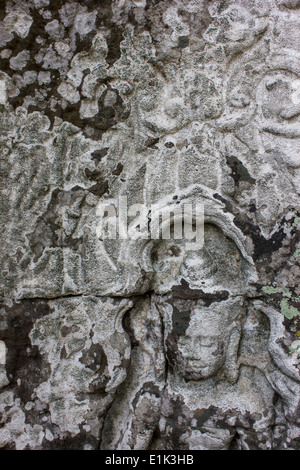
<point>274,83</point>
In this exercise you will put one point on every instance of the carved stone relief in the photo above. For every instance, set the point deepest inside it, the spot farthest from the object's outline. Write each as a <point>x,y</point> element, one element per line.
<point>139,342</point>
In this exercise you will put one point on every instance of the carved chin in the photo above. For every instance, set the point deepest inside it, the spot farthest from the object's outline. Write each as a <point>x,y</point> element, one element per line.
<point>193,370</point>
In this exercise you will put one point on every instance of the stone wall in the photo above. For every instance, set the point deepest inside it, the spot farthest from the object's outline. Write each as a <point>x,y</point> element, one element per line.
<point>110,341</point>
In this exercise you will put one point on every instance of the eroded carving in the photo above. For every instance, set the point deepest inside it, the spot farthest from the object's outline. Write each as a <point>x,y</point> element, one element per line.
<point>144,344</point>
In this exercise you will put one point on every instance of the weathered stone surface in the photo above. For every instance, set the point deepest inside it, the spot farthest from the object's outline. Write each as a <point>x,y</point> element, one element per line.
<point>144,343</point>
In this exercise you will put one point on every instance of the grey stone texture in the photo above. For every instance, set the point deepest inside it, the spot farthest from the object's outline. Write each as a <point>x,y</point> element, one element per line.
<point>142,343</point>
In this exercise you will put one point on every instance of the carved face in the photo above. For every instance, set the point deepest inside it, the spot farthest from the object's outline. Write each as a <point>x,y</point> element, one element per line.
<point>203,355</point>
<point>203,347</point>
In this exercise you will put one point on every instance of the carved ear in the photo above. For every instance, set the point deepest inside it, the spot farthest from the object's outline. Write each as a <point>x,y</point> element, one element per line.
<point>231,367</point>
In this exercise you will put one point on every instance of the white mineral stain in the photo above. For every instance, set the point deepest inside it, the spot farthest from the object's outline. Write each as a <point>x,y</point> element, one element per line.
<point>19,22</point>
